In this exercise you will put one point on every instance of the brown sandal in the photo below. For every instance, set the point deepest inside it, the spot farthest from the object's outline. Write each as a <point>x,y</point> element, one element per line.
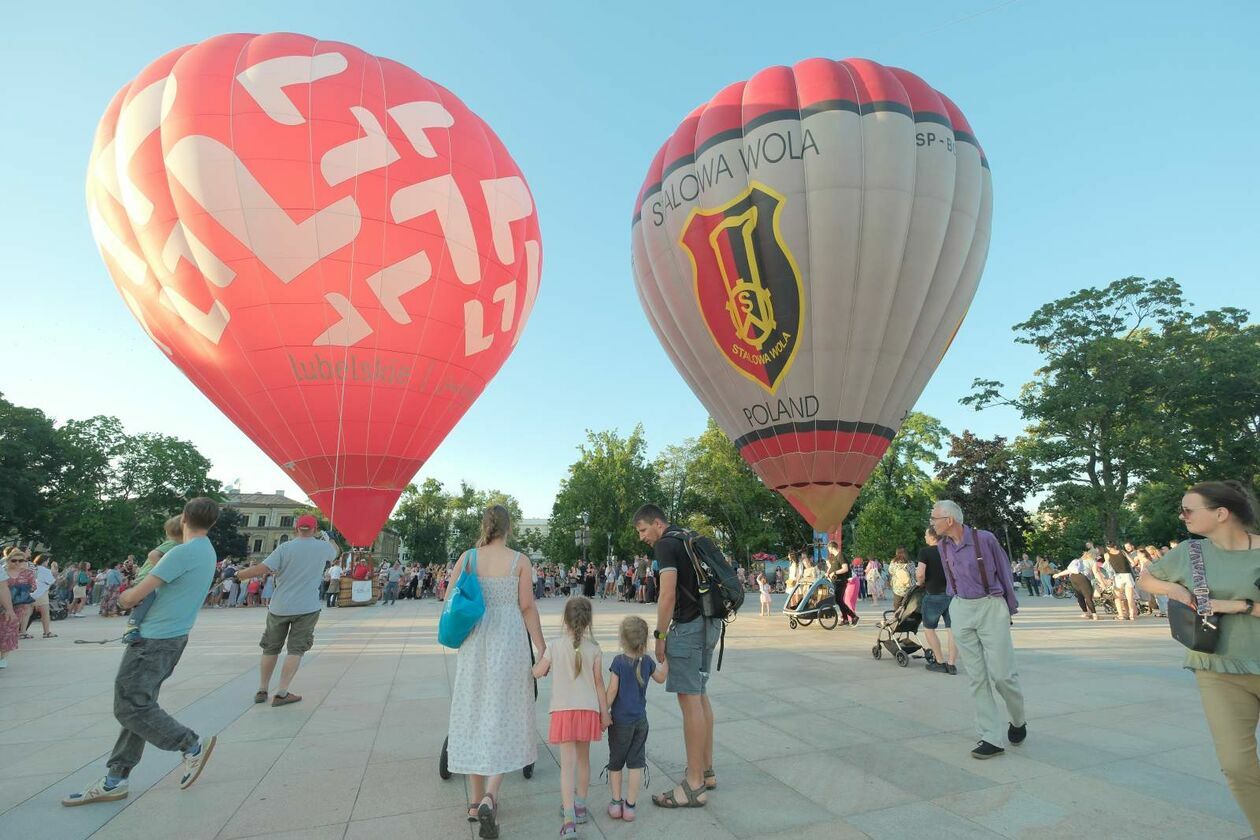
<point>710,779</point>
<point>669,800</point>
<point>488,816</point>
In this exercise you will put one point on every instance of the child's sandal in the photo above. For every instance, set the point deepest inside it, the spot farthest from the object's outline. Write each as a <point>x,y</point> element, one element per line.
<point>627,812</point>
<point>615,809</point>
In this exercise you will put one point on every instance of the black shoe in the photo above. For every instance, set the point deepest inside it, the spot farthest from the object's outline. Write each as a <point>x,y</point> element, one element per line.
<point>952,669</point>
<point>986,750</point>
<point>936,666</point>
<point>1016,734</point>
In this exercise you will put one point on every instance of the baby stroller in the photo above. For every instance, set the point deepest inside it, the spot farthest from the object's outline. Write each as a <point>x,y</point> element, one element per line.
<point>444,771</point>
<point>897,628</point>
<point>812,599</point>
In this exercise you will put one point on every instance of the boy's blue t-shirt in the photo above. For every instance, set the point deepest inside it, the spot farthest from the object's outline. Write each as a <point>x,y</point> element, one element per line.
<point>186,572</point>
<point>630,704</point>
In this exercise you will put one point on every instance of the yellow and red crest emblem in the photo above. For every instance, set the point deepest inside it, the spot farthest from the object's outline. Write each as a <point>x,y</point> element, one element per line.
<point>747,284</point>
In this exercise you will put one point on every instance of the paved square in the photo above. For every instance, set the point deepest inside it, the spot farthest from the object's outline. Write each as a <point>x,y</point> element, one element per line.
<point>814,738</point>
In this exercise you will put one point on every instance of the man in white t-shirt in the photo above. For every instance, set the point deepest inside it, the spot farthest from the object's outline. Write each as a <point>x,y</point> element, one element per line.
<point>294,609</point>
<point>334,583</point>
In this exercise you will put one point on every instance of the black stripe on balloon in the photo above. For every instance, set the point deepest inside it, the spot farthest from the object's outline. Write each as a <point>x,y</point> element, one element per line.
<point>799,484</point>
<point>815,426</point>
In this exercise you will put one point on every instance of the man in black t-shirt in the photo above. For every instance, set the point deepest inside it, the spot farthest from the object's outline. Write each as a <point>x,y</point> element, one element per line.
<point>686,639</point>
<point>930,574</point>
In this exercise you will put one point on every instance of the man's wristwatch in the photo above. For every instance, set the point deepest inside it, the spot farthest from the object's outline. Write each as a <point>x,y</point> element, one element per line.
<point>1251,606</point>
<point>659,636</point>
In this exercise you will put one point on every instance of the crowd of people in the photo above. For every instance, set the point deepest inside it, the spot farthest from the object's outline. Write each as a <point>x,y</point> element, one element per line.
<point>970,586</point>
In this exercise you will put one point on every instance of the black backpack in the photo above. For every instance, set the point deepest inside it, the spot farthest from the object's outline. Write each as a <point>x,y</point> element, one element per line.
<point>720,595</point>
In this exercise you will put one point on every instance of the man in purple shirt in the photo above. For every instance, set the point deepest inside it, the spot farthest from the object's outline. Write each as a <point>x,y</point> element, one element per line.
<point>978,575</point>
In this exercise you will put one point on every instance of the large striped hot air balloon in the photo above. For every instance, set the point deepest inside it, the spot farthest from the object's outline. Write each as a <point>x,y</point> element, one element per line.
<point>805,246</point>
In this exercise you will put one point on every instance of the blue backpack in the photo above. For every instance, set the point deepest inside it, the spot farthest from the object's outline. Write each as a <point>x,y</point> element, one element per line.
<point>464,606</point>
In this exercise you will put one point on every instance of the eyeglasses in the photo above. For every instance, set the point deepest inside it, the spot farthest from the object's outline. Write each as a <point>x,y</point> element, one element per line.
<point>934,518</point>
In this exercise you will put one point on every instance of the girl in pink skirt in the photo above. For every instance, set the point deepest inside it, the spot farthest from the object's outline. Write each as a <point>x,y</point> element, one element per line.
<point>579,708</point>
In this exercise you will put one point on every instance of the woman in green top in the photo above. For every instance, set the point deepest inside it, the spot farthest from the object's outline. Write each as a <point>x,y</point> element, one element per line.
<point>1229,680</point>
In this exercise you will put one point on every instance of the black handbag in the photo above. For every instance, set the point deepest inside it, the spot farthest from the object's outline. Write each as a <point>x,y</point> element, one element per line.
<point>1197,629</point>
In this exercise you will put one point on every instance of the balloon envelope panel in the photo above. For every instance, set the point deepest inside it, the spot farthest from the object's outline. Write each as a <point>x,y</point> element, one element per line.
<point>805,246</point>
<point>335,250</point>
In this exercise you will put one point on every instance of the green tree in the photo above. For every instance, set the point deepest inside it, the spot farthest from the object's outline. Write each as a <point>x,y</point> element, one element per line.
<point>32,456</point>
<point>1091,407</point>
<point>610,479</point>
<point>226,537</point>
<point>726,498</point>
<point>422,520</point>
<point>990,480</point>
<point>897,498</point>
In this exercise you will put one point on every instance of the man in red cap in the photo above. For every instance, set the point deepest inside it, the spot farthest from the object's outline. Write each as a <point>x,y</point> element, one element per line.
<point>294,609</point>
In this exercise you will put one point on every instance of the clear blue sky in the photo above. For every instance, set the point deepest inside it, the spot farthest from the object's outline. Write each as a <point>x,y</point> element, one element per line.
<point>1122,138</point>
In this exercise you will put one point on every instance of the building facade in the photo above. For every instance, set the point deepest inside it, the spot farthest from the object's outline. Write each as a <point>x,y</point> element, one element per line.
<point>530,526</point>
<point>270,519</point>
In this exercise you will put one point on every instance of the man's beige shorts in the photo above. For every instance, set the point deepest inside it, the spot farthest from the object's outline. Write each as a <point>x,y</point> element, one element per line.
<point>299,629</point>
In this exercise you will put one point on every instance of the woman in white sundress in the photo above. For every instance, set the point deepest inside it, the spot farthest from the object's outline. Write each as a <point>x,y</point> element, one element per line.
<point>492,728</point>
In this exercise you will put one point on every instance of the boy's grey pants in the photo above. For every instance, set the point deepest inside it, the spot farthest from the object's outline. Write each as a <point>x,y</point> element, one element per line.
<point>145,666</point>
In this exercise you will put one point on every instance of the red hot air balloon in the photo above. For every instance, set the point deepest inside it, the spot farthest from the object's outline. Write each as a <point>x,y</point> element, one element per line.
<point>805,246</point>
<point>335,250</point>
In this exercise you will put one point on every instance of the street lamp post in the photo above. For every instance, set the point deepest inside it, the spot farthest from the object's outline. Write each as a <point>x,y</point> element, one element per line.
<point>583,535</point>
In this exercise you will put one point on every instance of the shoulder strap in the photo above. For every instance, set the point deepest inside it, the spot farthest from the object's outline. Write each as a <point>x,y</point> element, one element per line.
<point>471,565</point>
<point>948,573</point>
<point>1198,576</point>
<point>984,575</point>
<point>515,560</point>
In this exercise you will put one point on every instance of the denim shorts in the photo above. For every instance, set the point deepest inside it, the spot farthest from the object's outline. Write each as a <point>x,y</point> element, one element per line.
<point>690,653</point>
<point>933,609</point>
<point>627,745</point>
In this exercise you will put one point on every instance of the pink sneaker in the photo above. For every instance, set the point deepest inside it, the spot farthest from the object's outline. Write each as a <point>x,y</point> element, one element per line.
<point>614,809</point>
<point>627,812</point>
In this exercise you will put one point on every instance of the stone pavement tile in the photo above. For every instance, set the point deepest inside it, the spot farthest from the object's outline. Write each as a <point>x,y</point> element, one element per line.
<point>262,722</point>
<point>199,813</point>
<point>324,832</point>
<point>64,756</point>
<point>1194,760</point>
<point>954,749</point>
<point>318,751</point>
<point>431,711</point>
<point>652,823</point>
<point>348,694</point>
<point>1009,810</point>
<point>329,719</point>
<point>744,704</point>
<point>56,727</point>
<point>1100,736</point>
<point>882,724</point>
<point>404,787</point>
<point>417,739</point>
<point>926,776</point>
<point>838,785</point>
<point>919,819</point>
<point>422,689</point>
<point>835,829</point>
<point>799,695</point>
<point>814,729</point>
<point>753,740</point>
<point>1050,748</point>
<point>18,789</point>
<point>1101,809</point>
<point>405,827</point>
<point>751,802</point>
<point>295,800</point>
<point>1159,782</point>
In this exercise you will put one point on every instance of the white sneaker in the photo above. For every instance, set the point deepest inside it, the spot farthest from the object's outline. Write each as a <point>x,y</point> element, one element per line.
<point>4,663</point>
<point>194,764</point>
<point>96,792</point>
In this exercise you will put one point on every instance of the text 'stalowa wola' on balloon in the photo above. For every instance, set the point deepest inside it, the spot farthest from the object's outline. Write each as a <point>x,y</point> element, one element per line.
<point>335,250</point>
<point>805,246</point>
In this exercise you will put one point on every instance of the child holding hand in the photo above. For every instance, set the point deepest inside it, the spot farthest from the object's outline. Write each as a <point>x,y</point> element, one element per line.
<point>579,708</point>
<point>627,696</point>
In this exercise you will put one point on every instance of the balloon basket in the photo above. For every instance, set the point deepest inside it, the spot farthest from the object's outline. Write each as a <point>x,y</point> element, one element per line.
<point>346,596</point>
